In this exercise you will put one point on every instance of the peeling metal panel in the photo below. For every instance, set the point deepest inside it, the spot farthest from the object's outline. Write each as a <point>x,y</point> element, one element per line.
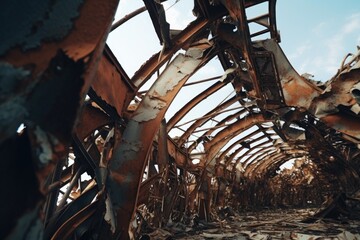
<point>105,172</point>
<point>140,131</point>
<point>297,90</point>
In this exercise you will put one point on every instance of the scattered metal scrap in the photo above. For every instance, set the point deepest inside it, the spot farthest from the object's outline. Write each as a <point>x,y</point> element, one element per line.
<point>96,158</point>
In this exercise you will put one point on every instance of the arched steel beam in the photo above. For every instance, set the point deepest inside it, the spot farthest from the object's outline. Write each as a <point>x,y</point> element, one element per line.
<point>249,151</point>
<point>222,123</point>
<point>128,161</point>
<point>265,135</point>
<point>261,154</point>
<point>193,102</point>
<point>213,147</point>
<point>252,151</point>
<point>209,115</point>
<point>264,151</point>
<point>266,162</point>
<point>236,144</point>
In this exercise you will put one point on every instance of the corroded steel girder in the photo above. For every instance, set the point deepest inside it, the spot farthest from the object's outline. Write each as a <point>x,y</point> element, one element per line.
<point>193,102</point>
<point>234,145</point>
<point>206,118</point>
<point>49,53</point>
<point>128,160</point>
<point>325,105</point>
<point>240,39</point>
<point>225,135</point>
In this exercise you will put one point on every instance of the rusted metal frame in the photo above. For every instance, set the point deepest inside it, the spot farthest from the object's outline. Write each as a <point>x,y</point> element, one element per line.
<point>223,137</point>
<point>273,162</point>
<point>63,215</point>
<point>126,90</point>
<point>210,128</point>
<point>179,154</point>
<point>159,59</point>
<point>259,33</point>
<point>114,61</point>
<point>199,122</point>
<point>268,160</point>
<point>67,229</point>
<point>205,9</point>
<point>80,151</point>
<point>53,64</point>
<point>193,102</point>
<point>251,3</point>
<point>248,152</point>
<point>258,21</point>
<point>233,155</point>
<point>271,27</point>
<point>128,161</point>
<point>89,120</point>
<point>279,133</point>
<point>109,109</point>
<point>252,152</point>
<point>202,81</point>
<point>127,17</point>
<point>112,86</point>
<point>51,200</point>
<point>208,116</point>
<point>346,174</point>
<point>235,144</point>
<point>145,186</point>
<point>236,10</point>
<point>265,81</point>
<point>275,165</point>
<point>221,124</point>
<point>263,166</point>
<point>255,157</point>
<point>272,18</point>
<point>72,183</point>
<point>169,201</point>
<point>261,129</point>
<point>163,152</point>
<point>158,17</point>
<point>294,87</point>
<point>250,169</point>
<point>345,123</point>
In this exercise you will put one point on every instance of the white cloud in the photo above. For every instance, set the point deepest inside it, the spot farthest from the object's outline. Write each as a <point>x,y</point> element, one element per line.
<point>299,51</point>
<point>352,24</point>
<point>329,51</point>
<point>319,28</point>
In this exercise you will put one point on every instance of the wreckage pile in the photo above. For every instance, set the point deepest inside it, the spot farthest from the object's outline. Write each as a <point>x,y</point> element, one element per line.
<point>214,136</point>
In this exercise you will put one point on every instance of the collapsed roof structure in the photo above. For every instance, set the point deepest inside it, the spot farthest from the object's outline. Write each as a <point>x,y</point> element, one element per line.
<point>101,153</point>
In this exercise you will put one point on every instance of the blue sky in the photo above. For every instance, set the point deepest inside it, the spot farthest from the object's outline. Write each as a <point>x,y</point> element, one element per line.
<point>315,35</point>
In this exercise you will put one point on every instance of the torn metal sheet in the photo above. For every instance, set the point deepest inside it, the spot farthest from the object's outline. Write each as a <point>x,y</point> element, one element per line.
<point>139,133</point>
<point>96,159</point>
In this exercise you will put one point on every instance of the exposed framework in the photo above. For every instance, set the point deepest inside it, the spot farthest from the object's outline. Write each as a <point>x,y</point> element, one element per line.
<point>97,159</point>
